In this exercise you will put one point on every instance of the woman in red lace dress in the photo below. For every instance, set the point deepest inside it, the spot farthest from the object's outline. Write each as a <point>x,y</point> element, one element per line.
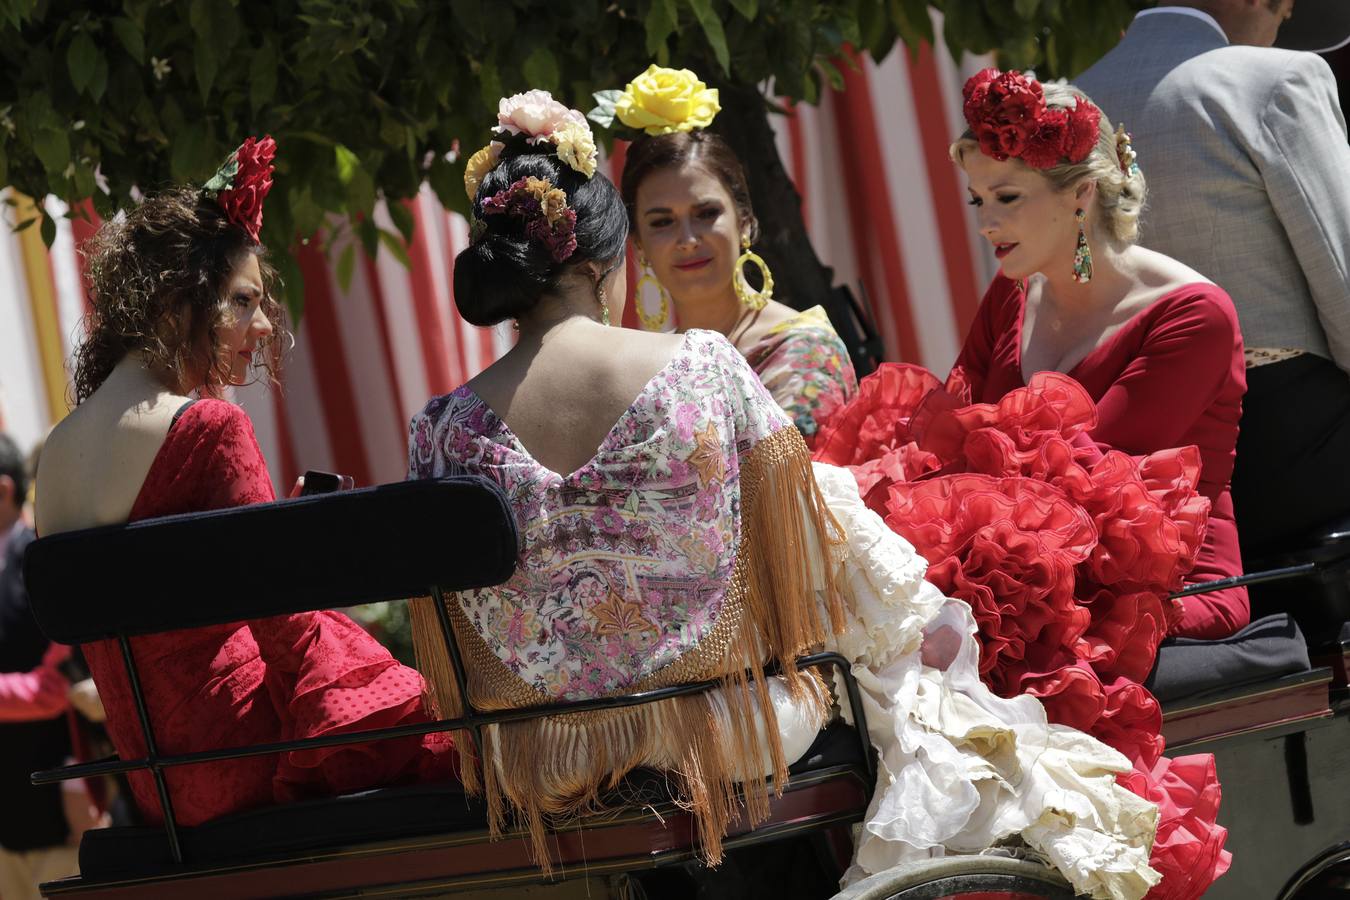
<point>1073,470</point>
<point>181,305</point>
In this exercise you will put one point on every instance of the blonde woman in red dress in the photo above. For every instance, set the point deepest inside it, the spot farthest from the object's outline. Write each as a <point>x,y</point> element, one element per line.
<point>1050,481</point>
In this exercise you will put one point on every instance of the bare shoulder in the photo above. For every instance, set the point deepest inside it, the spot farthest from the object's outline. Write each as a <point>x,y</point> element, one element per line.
<point>95,459</point>
<point>579,367</point>
<point>666,343</point>
<point>1159,274</point>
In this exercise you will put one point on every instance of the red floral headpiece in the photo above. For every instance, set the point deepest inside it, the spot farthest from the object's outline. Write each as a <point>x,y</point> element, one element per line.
<point>242,182</point>
<point>1006,111</point>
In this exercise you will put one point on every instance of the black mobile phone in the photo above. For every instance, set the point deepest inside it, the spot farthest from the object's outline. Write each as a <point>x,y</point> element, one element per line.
<point>317,482</point>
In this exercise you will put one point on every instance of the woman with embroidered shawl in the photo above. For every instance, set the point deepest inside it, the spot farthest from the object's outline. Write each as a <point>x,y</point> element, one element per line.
<point>673,530</point>
<point>630,576</point>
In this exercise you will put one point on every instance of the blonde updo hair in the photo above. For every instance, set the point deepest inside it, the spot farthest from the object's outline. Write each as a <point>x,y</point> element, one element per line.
<point>1120,190</point>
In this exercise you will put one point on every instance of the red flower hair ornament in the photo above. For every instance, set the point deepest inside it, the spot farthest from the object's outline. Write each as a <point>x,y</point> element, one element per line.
<point>242,182</point>
<point>1006,112</point>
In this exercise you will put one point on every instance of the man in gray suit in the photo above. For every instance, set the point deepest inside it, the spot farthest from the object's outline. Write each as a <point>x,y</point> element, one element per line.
<point>1244,148</point>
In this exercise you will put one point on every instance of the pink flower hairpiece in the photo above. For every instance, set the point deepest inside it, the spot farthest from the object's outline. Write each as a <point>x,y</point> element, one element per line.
<point>545,211</point>
<point>1006,112</point>
<point>242,183</point>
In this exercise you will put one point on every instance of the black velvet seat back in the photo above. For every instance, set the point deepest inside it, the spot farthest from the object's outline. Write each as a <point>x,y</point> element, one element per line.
<point>388,542</point>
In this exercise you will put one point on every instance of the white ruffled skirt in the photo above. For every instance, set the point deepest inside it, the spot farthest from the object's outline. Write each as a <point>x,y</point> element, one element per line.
<point>961,769</point>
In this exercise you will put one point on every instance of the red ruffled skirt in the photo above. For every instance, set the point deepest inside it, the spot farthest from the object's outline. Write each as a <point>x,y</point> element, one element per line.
<point>263,681</point>
<point>1065,555</point>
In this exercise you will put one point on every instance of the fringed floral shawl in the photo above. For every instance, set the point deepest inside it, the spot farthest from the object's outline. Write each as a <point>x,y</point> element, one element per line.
<point>678,553</point>
<point>806,367</point>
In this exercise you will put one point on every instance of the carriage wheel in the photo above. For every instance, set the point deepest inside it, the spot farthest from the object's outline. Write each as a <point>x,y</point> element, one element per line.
<point>1328,875</point>
<point>964,877</point>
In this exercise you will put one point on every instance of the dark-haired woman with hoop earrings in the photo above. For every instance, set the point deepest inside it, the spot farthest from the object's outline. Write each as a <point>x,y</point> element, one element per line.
<point>693,226</point>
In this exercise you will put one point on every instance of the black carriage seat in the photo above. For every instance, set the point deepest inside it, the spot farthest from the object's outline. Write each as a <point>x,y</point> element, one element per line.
<point>385,543</point>
<point>1265,650</point>
<point>1255,681</point>
<point>388,542</point>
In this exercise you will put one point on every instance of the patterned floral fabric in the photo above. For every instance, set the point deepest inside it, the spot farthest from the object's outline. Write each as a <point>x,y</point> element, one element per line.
<point>806,368</point>
<point>624,563</point>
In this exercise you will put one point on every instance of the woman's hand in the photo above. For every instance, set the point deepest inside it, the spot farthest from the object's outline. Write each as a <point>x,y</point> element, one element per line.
<point>37,694</point>
<point>940,647</point>
<point>84,697</point>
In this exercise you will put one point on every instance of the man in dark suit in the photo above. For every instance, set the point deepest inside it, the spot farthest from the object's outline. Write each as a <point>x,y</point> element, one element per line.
<point>33,730</point>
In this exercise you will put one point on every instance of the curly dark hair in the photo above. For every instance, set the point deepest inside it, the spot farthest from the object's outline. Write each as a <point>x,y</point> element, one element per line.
<point>157,276</point>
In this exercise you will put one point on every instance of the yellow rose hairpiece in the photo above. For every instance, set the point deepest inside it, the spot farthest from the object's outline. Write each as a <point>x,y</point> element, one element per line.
<point>659,101</point>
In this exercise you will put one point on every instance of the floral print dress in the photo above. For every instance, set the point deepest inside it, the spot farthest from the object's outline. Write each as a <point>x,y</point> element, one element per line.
<point>806,368</point>
<point>624,562</point>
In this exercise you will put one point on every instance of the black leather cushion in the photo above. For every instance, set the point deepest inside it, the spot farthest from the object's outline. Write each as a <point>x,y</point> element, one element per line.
<point>1265,649</point>
<point>378,815</point>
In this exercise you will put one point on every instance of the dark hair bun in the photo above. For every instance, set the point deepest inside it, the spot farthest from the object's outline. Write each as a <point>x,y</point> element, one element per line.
<point>503,272</point>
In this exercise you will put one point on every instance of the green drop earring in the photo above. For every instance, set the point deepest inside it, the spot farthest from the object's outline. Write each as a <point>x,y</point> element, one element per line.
<point>1082,254</point>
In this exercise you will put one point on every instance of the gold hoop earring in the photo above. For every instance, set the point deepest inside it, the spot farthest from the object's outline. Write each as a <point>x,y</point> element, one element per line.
<point>651,322</point>
<point>750,298</point>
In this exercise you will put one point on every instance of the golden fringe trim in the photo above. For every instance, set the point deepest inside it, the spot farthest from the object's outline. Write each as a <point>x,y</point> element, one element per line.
<point>440,691</point>
<point>781,603</point>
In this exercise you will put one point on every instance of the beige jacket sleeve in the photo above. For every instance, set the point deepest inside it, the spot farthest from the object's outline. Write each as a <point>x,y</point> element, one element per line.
<point>1305,161</point>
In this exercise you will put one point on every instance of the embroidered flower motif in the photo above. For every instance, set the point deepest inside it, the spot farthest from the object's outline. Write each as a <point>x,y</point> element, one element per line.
<point>609,520</point>
<point>662,101</point>
<point>708,459</point>
<point>617,616</point>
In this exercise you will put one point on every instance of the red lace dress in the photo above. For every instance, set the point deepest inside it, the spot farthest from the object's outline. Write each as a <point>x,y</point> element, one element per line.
<point>252,682</point>
<point>1064,514</point>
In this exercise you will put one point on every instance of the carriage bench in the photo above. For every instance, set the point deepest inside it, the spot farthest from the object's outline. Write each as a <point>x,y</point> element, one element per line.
<point>391,542</point>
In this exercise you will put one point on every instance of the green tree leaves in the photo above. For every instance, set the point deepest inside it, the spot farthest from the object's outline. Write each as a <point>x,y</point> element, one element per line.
<point>369,98</point>
<point>82,59</point>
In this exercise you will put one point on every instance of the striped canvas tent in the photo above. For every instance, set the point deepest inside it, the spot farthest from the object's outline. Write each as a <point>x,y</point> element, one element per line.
<point>883,205</point>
